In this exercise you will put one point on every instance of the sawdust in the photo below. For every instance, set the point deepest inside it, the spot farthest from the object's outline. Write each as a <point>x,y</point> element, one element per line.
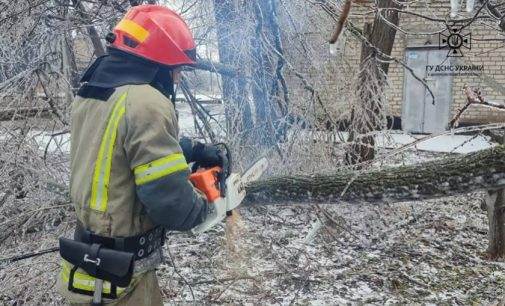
<point>236,247</point>
<point>234,229</point>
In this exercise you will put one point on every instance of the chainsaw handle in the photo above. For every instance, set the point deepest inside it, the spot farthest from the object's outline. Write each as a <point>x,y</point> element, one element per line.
<point>208,181</point>
<point>225,159</point>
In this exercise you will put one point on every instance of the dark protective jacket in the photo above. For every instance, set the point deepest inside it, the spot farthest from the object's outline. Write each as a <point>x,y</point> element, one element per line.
<point>128,172</point>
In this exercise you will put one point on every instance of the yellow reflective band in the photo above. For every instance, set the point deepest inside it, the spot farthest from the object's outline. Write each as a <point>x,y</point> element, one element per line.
<point>160,168</point>
<point>84,281</point>
<point>133,29</point>
<point>101,176</point>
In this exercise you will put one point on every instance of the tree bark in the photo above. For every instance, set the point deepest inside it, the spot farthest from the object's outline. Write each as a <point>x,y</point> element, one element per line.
<point>230,36</point>
<point>262,81</point>
<point>495,202</point>
<point>483,170</point>
<point>362,148</point>
<point>495,206</point>
<point>381,36</point>
<point>92,32</point>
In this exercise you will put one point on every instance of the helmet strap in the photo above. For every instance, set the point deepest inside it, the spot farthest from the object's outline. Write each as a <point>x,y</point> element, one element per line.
<point>174,93</point>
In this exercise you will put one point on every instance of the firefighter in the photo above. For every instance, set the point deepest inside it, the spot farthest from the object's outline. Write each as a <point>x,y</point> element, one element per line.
<point>129,174</point>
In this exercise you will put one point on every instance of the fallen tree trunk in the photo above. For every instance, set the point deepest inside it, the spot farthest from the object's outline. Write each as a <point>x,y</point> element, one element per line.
<point>483,170</point>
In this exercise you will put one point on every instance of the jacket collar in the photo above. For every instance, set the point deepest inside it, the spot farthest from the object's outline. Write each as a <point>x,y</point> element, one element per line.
<point>118,68</point>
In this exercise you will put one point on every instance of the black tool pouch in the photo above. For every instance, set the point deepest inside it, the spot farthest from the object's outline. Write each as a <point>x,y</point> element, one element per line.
<point>110,265</point>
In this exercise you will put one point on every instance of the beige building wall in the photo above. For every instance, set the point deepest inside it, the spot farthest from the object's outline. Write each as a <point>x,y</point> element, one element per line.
<point>334,77</point>
<point>491,54</point>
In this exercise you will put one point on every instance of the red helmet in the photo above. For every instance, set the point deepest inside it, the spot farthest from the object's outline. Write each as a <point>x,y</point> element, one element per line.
<point>156,33</point>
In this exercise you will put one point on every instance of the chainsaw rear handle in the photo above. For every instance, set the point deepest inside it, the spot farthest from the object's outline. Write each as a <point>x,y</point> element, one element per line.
<point>209,182</point>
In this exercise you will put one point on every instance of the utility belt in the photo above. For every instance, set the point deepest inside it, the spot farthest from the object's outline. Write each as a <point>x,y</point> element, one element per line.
<point>107,259</point>
<point>141,245</point>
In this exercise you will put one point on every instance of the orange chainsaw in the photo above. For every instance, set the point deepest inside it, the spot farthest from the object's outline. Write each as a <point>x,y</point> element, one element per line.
<point>225,190</point>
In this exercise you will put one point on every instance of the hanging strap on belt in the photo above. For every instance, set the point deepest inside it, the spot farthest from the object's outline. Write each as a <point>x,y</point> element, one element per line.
<point>97,295</point>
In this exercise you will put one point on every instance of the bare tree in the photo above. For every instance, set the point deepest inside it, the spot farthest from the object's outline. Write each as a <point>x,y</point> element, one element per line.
<point>368,115</point>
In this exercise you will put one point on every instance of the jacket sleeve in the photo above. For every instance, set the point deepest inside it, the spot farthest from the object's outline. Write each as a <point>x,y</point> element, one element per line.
<point>156,159</point>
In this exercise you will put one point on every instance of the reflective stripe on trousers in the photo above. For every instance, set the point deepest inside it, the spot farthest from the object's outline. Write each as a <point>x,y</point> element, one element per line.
<point>84,281</point>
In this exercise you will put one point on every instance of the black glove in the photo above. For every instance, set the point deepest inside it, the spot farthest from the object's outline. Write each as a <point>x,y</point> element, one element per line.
<point>207,156</point>
<point>203,155</point>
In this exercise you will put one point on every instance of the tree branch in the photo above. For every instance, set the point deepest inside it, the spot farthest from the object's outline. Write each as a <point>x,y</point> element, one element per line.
<point>341,21</point>
<point>222,69</point>
<point>473,96</point>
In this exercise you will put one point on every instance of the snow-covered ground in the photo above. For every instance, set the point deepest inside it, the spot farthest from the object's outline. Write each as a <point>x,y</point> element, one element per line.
<point>187,123</point>
<point>51,143</point>
<point>429,252</point>
<point>424,252</point>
